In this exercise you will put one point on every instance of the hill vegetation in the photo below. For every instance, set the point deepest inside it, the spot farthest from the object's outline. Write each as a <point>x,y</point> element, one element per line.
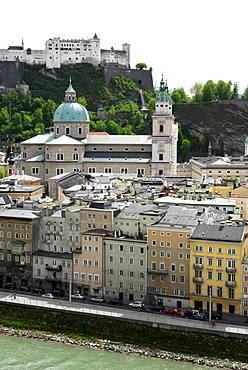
<point>23,116</point>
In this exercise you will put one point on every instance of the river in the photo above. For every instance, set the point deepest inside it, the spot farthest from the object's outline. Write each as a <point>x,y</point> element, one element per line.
<point>21,353</point>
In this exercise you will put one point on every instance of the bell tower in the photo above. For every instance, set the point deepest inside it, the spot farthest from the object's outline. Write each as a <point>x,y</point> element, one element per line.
<point>164,135</point>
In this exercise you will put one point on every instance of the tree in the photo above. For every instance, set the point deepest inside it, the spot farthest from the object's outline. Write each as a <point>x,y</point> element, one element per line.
<point>141,65</point>
<point>208,91</point>
<point>185,147</point>
<point>245,95</point>
<point>196,92</point>
<point>235,91</point>
<point>223,90</point>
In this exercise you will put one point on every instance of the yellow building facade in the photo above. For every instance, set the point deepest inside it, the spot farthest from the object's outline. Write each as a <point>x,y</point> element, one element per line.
<point>216,267</point>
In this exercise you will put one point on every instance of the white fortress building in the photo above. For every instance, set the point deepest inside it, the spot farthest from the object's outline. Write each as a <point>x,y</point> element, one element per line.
<point>61,51</point>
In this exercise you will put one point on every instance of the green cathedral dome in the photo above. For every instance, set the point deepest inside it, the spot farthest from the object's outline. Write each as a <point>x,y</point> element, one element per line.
<point>71,110</point>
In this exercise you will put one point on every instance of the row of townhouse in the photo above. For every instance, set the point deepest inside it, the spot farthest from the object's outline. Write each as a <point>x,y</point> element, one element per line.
<point>172,255</point>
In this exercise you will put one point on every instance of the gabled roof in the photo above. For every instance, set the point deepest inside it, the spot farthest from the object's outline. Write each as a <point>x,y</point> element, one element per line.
<point>179,215</point>
<point>39,139</point>
<point>64,139</point>
<point>219,233</point>
<point>134,209</point>
<point>37,158</point>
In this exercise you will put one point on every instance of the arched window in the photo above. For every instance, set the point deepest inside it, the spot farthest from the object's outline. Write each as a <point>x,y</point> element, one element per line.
<point>67,131</point>
<point>161,128</point>
<point>75,156</point>
<point>60,157</point>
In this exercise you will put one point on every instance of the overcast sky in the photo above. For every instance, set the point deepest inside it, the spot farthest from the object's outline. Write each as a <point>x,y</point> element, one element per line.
<point>187,41</point>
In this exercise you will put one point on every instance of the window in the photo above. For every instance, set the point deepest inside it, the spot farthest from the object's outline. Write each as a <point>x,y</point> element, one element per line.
<point>161,157</point>
<point>180,256</point>
<point>198,289</point>
<point>161,266</point>
<point>231,251</point>
<point>219,250</point>
<point>96,263</point>
<point>153,253</point>
<point>131,274</point>
<point>181,268</point>
<point>121,259</point>
<point>60,157</point>
<point>173,278</point>
<point>75,261</point>
<point>180,245</point>
<point>199,248</point>
<point>210,261</point>
<point>219,262</point>
<point>181,279</point>
<point>210,249</point>
<point>168,254</point>
<point>154,242</point>
<point>161,243</point>
<point>219,275</point>
<point>131,249</point>
<point>162,254</point>
<point>111,271</point>
<point>59,171</point>
<point>219,291</point>
<point>210,275</point>
<point>173,267</point>
<point>121,248</point>
<point>121,273</point>
<point>161,278</point>
<point>154,266</point>
<point>75,156</point>
<point>35,170</point>
<point>231,293</point>
<point>168,244</point>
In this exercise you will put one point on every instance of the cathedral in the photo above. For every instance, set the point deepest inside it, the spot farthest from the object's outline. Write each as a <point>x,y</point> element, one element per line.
<point>71,147</point>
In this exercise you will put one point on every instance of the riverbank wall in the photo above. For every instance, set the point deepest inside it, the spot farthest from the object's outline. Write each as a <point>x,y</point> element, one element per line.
<point>92,329</point>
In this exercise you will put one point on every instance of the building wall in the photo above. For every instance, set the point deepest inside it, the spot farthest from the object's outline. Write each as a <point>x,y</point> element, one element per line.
<point>88,265</point>
<point>168,265</point>
<point>125,269</point>
<point>216,266</point>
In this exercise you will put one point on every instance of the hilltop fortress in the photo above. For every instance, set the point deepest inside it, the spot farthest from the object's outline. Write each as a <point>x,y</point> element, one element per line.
<point>61,51</point>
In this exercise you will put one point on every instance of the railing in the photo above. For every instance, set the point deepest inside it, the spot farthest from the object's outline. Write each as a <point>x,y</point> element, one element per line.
<point>231,269</point>
<point>198,266</point>
<point>231,283</point>
<point>197,279</point>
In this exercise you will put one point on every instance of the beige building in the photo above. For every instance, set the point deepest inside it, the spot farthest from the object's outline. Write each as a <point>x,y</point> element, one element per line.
<point>19,230</point>
<point>89,264</point>
<point>72,148</point>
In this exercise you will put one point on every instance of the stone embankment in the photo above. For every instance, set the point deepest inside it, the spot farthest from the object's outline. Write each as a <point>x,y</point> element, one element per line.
<point>129,349</point>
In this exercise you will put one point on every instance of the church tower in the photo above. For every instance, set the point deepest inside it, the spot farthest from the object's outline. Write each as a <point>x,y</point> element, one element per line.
<point>164,135</point>
<point>71,118</point>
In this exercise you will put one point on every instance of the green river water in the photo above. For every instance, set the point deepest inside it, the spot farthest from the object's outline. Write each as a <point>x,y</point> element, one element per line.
<point>20,353</point>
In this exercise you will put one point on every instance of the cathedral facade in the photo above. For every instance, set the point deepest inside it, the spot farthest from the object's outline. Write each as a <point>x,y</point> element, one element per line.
<point>71,147</point>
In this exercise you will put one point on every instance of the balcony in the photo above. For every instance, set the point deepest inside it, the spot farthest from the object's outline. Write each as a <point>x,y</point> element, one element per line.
<point>53,268</point>
<point>231,284</point>
<point>231,269</point>
<point>197,279</point>
<point>51,279</point>
<point>198,266</point>
<point>157,272</point>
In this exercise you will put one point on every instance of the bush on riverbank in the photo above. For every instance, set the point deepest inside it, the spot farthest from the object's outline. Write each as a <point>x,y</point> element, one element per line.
<point>93,328</point>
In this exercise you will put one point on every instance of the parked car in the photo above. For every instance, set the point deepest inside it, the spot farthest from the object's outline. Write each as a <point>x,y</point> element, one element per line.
<point>145,309</point>
<point>136,304</point>
<point>189,313</point>
<point>200,317</point>
<point>77,296</point>
<point>171,311</point>
<point>10,286</point>
<point>158,308</point>
<point>214,315</point>
<point>117,302</point>
<point>97,299</point>
<point>48,295</point>
<point>24,289</point>
<point>58,293</point>
<point>38,291</point>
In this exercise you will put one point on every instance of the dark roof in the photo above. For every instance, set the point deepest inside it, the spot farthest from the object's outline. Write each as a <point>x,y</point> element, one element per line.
<point>219,233</point>
<point>115,154</point>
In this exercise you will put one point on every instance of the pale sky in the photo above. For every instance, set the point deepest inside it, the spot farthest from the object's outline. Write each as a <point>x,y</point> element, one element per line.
<point>187,41</point>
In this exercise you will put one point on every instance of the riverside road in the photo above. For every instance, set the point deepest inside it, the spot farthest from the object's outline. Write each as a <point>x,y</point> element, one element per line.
<point>229,325</point>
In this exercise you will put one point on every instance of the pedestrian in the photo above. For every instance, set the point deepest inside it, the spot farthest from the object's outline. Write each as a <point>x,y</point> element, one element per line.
<point>14,295</point>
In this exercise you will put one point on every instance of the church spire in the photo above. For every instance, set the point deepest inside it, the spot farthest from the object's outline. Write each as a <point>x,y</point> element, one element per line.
<point>70,94</point>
